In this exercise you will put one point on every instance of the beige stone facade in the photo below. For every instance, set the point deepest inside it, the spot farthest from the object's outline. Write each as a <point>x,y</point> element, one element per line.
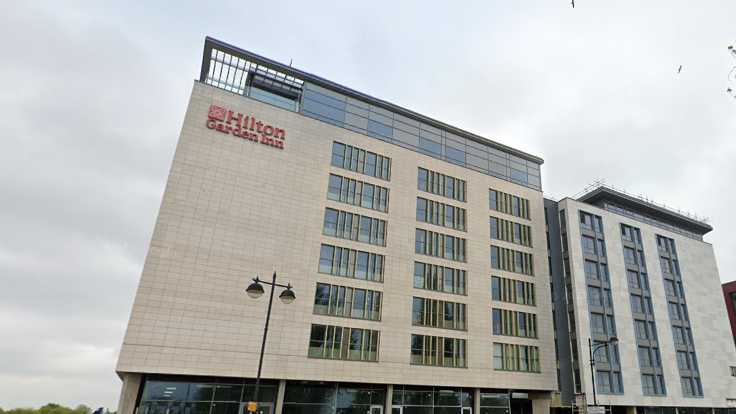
<point>234,209</point>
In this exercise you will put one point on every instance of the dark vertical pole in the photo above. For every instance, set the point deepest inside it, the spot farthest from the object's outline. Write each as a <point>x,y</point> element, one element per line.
<point>263,345</point>
<point>592,369</point>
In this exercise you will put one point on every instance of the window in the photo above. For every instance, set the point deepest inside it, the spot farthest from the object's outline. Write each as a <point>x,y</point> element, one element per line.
<point>586,221</point>
<point>348,302</point>
<point>601,248</point>
<point>440,184</point>
<point>438,351</point>
<point>637,304</point>
<point>666,267</point>
<point>594,296</point>
<point>610,325</point>
<point>653,331</point>
<point>645,356</point>
<point>513,323</point>
<point>512,261</point>
<point>430,243</point>
<point>601,354</point>
<point>588,245</point>
<point>591,270</point>
<point>336,342</point>
<point>571,321</point>
<point>513,291</point>
<point>604,381</point>
<point>361,161</point>
<point>439,278</point>
<point>441,214</point>
<point>439,314</point>
<point>356,264</point>
<point>604,272</point>
<point>674,310</point>
<point>354,227</point>
<point>626,233</point>
<point>629,255</point>
<point>640,329</point>
<point>563,220</point>
<point>648,383</point>
<point>358,193</point>
<point>679,335</point>
<point>509,204</point>
<point>691,387</point>
<point>633,278</point>
<point>511,357</point>
<point>596,323</point>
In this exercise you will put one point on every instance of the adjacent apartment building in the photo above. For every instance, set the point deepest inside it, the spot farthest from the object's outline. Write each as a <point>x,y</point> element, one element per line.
<point>630,269</point>
<point>415,250</point>
<point>431,276</point>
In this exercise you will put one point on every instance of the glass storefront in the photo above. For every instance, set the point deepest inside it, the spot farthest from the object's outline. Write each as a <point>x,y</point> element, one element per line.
<point>432,400</point>
<point>494,402</point>
<point>203,395</point>
<point>305,397</point>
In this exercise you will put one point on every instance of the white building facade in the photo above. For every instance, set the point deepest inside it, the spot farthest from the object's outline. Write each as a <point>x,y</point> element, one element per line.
<point>642,274</point>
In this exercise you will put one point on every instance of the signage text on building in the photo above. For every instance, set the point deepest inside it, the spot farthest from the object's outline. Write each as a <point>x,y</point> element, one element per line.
<point>245,126</point>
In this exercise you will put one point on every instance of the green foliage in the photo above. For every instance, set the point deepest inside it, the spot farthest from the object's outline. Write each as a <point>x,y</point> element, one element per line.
<point>49,408</point>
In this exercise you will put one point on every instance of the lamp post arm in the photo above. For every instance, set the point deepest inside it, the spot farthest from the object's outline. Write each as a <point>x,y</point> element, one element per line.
<point>257,280</point>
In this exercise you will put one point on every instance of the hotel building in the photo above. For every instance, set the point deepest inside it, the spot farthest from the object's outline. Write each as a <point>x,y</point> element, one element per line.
<point>417,254</point>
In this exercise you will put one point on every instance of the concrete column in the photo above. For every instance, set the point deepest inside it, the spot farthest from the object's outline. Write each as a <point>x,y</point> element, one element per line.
<point>541,403</point>
<point>129,393</point>
<point>476,400</point>
<point>389,399</point>
<point>280,397</point>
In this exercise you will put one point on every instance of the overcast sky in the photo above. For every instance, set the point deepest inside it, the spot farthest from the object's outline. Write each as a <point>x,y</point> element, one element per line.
<point>93,95</point>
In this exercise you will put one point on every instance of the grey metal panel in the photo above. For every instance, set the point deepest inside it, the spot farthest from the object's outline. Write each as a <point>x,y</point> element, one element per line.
<point>431,129</point>
<point>498,169</point>
<point>380,118</point>
<point>406,128</point>
<point>407,138</point>
<point>382,111</point>
<point>536,181</point>
<point>477,162</point>
<point>357,121</point>
<point>356,110</point>
<point>453,144</point>
<point>516,165</point>
<point>326,92</point>
<point>359,104</point>
<point>517,159</point>
<point>430,136</point>
<point>564,355</point>
<point>407,120</point>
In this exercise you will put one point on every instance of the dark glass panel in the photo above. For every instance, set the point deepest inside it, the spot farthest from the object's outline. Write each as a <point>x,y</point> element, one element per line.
<point>225,408</point>
<point>297,392</point>
<point>167,391</point>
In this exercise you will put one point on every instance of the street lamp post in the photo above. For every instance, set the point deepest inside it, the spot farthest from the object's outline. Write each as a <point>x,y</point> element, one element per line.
<point>613,341</point>
<point>255,291</point>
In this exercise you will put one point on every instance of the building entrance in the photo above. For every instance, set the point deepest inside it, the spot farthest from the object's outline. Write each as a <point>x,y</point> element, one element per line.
<point>521,406</point>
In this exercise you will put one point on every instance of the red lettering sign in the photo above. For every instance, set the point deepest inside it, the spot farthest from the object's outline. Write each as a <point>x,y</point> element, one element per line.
<point>245,126</point>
